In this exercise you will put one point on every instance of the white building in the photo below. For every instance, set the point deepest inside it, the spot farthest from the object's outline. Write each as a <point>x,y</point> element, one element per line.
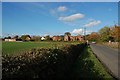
<point>10,40</point>
<point>43,38</point>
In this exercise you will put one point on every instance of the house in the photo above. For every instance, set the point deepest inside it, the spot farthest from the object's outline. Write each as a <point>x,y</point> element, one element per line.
<point>28,38</point>
<point>42,38</point>
<point>66,38</point>
<point>56,38</point>
<point>10,40</point>
<point>73,38</point>
<point>79,38</point>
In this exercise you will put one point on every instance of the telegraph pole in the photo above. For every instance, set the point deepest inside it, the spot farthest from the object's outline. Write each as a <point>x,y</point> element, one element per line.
<point>84,33</point>
<point>114,24</point>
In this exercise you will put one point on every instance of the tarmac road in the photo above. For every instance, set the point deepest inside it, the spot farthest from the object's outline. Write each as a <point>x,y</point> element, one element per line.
<point>109,57</point>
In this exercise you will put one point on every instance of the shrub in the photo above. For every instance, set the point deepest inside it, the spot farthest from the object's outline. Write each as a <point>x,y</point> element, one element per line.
<point>41,63</point>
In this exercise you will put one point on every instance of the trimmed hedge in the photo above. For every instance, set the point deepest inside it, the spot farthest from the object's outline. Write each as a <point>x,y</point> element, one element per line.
<point>41,63</point>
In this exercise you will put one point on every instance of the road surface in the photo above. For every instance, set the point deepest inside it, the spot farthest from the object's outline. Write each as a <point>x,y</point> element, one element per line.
<point>108,56</point>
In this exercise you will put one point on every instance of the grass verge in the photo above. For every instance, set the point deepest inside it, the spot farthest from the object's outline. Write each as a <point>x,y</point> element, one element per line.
<point>114,45</point>
<point>88,66</point>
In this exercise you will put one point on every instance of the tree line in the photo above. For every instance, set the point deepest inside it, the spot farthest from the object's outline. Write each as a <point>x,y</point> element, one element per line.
<point>105,34</point>
<point>35,38</point>
<point>27,38</point>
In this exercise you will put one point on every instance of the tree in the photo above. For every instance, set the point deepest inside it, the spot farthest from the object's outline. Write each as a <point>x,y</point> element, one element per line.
<point>104,34</point>
<point>114,33</point>
<point>93,37</point>
<point>68,33</point>
<point>35,38</point>
<point>24,37</point>
<point>48,38</point>
<point>9,37</point>
<point>62,37</point>
<point>16,37</point>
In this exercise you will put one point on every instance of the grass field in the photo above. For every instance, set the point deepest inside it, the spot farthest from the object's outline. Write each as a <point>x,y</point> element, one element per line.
<point>20,47</point>
<point>86,66</point>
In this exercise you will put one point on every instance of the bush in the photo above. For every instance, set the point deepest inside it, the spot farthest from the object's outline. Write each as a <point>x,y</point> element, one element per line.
<point>41,63</point>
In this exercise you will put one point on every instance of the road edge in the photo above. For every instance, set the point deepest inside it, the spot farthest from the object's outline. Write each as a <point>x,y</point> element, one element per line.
<point>105,66</point>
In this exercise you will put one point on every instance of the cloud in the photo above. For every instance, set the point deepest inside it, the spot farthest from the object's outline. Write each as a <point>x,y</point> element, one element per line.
<point>92,23</point>
<point>77,31</point>
<point>62,8</point>
<point>81,31</point>
<point>72,17</point>
<point>88,32</point>
<point>58,11</point>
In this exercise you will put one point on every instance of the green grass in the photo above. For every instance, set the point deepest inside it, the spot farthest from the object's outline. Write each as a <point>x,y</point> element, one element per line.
<point>88,66</point>
<point>13,48</point>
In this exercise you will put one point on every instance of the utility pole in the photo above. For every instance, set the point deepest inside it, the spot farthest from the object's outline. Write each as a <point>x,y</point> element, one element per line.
<point>84,33</point>
<point>114,24</point>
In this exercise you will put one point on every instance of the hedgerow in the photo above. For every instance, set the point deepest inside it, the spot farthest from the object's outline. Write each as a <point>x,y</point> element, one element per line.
<point>41,63</point>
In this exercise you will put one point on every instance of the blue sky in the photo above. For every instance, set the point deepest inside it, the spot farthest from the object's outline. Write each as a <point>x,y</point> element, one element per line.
<point>60,0</point>
<point>56,18</point>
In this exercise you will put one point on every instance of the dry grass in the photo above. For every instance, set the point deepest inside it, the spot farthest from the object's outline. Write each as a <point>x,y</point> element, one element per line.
<point>112,45</point>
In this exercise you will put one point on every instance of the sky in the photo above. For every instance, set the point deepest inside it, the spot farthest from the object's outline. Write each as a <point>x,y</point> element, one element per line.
<point>60,0</point>
<point>0,19</point>
<point>56,18</point>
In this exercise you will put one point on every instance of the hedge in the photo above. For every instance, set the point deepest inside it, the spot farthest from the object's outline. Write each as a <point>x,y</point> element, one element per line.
<point>42,63</point>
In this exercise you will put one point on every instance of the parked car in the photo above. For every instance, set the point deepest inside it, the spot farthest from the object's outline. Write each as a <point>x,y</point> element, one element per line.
<point>94,42</point>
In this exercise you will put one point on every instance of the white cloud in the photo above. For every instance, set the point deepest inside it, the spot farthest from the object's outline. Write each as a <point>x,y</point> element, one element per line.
<point>58,11</point>
<point>92,23</point>
<point>81,31</point>
<point>88,32</point>
<point>72,17</point>
<point>62,8</point>
<point>77,31</point>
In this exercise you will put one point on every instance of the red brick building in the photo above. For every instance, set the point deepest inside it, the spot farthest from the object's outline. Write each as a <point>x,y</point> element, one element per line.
<point>56,38</point>
<point>73,38</point>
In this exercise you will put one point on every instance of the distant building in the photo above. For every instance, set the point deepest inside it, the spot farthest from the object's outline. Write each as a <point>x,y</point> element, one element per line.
<point>10,40</point>
<point>66,38</point>
<point>56,38</point>
<point>73,38</point>
<point>79,38</point>
<point>28,38</point>
<point>42,38</point>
